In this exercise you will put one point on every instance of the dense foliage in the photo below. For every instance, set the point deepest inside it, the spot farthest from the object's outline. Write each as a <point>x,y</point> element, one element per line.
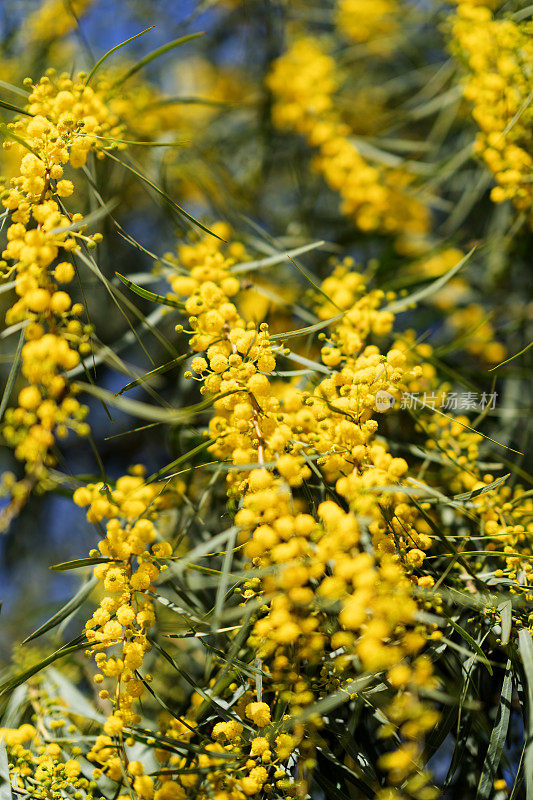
<point>266,282</point>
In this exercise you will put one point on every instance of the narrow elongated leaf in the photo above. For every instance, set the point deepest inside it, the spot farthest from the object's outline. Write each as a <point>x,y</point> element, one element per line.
<point>314,366</point>
<point>11,378</point>
<point>114,50</point>
<point>16,109</point>
<point>226,714</point>
<point>506,609</point>
<point>163,194</point>
<point>497,738</point>
<point>12,135</point>
<point>476,492</point>
<point>224,580</point>
<point>180,460</point>
<point>331,791</point>
<point>147,295</point>
<point>76,702</point>
<point>332,701</point>
<point>5,781</point>
<point>72,647</point>
<point>15,707</point>
<point>157,371</point>
<point>525,647</point>
<point>155,54</point>
<point>79,562</point>
<point>308,329</point>
<point>269,261</point>
<point>15,89</point>
<point>6,287</point>
<point>526,348</point>
<point>146,411</point>
<point>472,642</point>
<point>200,551</point>
<point>78,599</point>
<point>413,299</point>
<point>94,216</point>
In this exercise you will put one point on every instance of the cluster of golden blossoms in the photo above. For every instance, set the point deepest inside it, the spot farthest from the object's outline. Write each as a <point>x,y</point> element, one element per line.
<point>375,23</point>
<point>502,519</point>
<point>39,765</point>
<point>52,20</point>
<point>334,585</point>
<point>245,756</point>
<point>303,82</point>
<point>65,117</point>
<point>328,600</point>
<point>130,556</point>
<point>498,54</point>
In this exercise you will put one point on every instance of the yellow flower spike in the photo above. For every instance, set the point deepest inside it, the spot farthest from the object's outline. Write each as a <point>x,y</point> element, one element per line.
<point>497,54</point>
<point>373,196</point>
<point>61,112</point>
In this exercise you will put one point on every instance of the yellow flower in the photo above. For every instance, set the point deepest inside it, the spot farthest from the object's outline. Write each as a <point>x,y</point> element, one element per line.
<point>259,713</point>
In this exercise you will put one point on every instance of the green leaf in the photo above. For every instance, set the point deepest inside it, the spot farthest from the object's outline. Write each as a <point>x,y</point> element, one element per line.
<point>94,216</point>
<point>308,329</point>
<point>11,135</point>
<point>164,195</point>
<point>15,707</point>
<point>200,551</point>
<point>506,608</point>
<point>114,50</point>
<point>269,261</point>
<point>224,581</point>
<point>14,89</point>
<point>405,302</point>
<point>526,348</point>
<point>525,647</point>
<point>329,789</point>
<point>157,371</point>
<point>80,562</point>
<point>334,700</point>
<point>476,492</point>
<point>226,714</point>
<point>155,298</point>
<point>497,738</point>
<point>145,410</point>
<point>5,781</point>
<point>313,366</point>
<point>61,687</point>
<point>72,647</point>
<point>78,599</point>
<point>472,642</point>
<point>11,378</point>
<point>16,109</point>
<point>155,54</point>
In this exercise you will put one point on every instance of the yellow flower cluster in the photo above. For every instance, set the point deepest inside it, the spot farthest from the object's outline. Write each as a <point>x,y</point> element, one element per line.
<point>503,517</point>
<point>64,118</point>
<point>303,82</point>
<point>245,756</point>
<point>53,19</point>
<point>316,568</point>
<point>472,324</point>
<point>498,55</point>
<point>130,564</point>
<point>39,764</point>
<point>375,24</point>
